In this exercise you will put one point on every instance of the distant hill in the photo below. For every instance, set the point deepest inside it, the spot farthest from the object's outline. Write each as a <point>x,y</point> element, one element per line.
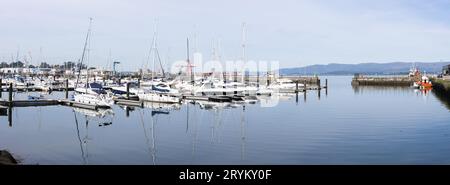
<point>364,68</point>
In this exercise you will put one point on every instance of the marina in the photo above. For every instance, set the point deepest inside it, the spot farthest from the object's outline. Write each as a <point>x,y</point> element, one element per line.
<point>223,83</point>
<point>208,132</point>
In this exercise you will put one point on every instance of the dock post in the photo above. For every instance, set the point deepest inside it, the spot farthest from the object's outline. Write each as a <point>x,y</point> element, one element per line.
<point>296,86</point>
<point>318,83</point>
<point>10,94</point>
<point>1,87</point>
<point>257,78</point>
<point>128,91</point>
<point>326,83</point>
<point>304,85</point>
<point>139,83</point>
<point>67,88</point>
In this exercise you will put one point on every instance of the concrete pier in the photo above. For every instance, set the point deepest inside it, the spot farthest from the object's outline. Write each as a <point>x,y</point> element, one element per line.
<point>383,81</point>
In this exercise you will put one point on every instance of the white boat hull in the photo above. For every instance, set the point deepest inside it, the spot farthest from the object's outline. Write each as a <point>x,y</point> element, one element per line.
<point>161,98</point>
<point>97,100</point>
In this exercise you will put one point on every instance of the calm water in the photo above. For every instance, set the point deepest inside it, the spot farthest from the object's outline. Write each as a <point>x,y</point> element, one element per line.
<point>369,125</point>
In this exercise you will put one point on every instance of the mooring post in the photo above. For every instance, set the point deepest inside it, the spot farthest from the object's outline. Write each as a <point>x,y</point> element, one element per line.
<point>1,87</point>
<point>304,85</point>
<point>10,94</point>
<point>326,83</point>
<point>296,86</point>
<point>67,88</point>
<point>128,91</point>
<point>139,82</point>
<point>318,83</point>
<point>257,79</point>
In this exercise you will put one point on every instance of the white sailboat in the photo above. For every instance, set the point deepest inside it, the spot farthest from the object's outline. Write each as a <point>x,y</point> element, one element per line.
<point>91,93</point>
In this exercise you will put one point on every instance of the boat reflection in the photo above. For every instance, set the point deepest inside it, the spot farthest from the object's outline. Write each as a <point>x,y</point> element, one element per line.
<point>103,117</point>
<point>91,114</point>
<point>162,106</point>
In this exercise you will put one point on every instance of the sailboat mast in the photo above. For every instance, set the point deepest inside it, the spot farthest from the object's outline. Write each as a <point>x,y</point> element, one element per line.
<point>153,49</point>
<point>84,51</point>
<point>189,62</point>
<point>243,51</point>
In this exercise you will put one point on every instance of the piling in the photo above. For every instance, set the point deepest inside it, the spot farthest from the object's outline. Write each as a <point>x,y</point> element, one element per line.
<point>139,83</point>
<point>326,83</point>
<point>257,79</point>
<point>296,86</point>
<point>67,88</point>
<point>224,77</point>
<point>128,91</point>
<point>10,94</point>
<point>1,87</point>
<point>304,86</point>
<point>318,84</point>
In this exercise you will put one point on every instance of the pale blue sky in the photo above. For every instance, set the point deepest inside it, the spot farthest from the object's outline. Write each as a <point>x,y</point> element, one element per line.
<point>296,33</point>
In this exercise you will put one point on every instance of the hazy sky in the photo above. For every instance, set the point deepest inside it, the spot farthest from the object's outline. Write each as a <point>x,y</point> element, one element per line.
<point>296,33</point>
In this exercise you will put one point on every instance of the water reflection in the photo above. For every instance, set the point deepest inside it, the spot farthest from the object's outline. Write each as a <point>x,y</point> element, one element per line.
<point>443,97</point>
<point>103,117</point>
<point>360,89</point>
<point>151,145</point>
<point>217,118</point>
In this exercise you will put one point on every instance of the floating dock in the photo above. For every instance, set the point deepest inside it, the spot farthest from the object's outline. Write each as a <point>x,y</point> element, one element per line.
<point>134,103</point>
